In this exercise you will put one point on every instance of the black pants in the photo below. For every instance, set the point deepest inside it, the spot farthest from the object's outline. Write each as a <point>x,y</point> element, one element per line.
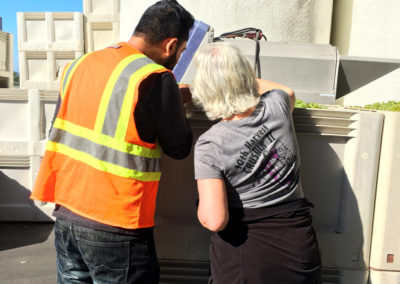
<point>279,249</point>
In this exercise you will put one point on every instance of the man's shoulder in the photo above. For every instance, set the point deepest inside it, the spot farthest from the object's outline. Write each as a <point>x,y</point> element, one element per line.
<point>160,77</point>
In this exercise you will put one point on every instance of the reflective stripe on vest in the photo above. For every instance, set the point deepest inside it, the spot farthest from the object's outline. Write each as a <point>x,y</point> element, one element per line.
<point>71,67</point>
<point>121,81</point>
<point>104,147</point>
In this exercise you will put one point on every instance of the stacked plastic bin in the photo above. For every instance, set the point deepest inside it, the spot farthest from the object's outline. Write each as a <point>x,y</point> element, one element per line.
<point>26,116</point>
<point>46,43</point>
<point>101,18</point>
<point>6,60</point>
<point>385,249</point>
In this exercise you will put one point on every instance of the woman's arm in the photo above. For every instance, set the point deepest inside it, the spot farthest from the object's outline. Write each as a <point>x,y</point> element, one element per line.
<point>213,206</point>
<point>265,86</point>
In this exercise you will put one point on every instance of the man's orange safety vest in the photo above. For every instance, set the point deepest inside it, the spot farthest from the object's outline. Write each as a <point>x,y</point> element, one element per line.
<point>95,163</point>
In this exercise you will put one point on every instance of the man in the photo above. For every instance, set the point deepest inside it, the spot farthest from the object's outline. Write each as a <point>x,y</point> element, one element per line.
<point>118,106</point>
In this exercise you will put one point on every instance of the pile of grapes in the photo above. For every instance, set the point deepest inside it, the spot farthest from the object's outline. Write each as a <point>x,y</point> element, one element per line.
<point>301,104</point>
<point>385,106</point>
<point>388,106</point>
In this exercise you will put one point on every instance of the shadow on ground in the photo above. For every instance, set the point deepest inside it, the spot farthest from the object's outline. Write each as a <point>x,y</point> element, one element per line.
<point>15,235</point>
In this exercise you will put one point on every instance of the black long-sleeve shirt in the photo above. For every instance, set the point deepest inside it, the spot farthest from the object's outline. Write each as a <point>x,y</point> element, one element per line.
<point>159,114</point>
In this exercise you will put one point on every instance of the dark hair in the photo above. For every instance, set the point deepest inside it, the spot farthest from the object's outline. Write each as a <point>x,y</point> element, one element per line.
<point>164,19</point>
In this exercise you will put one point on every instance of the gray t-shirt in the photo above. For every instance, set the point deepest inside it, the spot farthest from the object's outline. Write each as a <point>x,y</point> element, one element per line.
<point>257,156</point>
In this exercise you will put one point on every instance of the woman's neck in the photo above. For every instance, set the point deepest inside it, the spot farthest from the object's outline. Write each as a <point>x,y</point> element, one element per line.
<point>240,115</point>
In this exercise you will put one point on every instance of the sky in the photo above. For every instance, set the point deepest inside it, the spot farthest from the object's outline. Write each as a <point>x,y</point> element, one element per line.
<point>9,9</point>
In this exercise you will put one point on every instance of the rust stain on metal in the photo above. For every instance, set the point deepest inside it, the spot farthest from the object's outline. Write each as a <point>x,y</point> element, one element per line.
<point>390,258</point>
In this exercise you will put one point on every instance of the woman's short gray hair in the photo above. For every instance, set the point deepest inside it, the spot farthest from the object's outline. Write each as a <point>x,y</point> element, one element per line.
<point>225,83</point>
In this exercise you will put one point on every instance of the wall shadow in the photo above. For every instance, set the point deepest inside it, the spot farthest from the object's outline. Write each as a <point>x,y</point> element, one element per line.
<point>17,213</point>
<point>336,216</point>
<point>19,234</point>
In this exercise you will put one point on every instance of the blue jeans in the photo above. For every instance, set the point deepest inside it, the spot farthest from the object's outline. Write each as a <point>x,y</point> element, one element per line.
<point>86,255</point>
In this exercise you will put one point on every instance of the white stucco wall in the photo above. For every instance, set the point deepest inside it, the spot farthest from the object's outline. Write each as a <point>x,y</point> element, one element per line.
<point>369,28</point>
<point>285,21</point>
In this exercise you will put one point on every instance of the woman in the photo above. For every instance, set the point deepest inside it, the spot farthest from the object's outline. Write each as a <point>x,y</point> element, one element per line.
<point>247,169</point>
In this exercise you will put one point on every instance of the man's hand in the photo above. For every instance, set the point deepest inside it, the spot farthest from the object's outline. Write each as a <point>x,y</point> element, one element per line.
<point>185,92</point>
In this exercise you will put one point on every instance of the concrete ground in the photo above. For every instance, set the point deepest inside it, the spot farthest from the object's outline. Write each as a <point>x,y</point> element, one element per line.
<point>27,253</point>
<point>27,256</point>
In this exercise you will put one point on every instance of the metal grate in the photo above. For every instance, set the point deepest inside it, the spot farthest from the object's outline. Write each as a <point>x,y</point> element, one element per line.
<point>178,271</point>
<point>325,122</point>
<point>15,162</point>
